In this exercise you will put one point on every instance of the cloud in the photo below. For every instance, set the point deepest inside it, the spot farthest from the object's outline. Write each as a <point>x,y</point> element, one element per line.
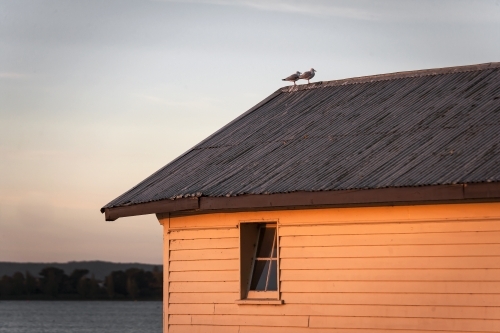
<point>388,10</point>
<point>154,99</point>
<point>314,8</point>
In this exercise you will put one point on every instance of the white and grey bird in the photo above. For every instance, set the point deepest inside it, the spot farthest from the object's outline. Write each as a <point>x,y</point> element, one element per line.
<point>308,75</point>
<point>293,77</point>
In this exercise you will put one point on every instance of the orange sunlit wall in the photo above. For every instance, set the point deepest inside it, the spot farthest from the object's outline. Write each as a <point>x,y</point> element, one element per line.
<point>419,268</point>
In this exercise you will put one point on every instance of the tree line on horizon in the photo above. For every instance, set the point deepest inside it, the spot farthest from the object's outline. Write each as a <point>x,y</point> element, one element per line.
<point>54,284</point>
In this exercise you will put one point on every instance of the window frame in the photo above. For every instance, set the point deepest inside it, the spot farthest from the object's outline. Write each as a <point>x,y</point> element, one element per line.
<point>248,296</point>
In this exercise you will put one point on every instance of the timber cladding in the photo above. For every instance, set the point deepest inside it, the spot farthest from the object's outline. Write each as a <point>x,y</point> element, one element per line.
<point>429,268</point>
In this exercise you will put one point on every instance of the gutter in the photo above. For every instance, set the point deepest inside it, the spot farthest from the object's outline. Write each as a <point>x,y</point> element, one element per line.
<point>433,194</point>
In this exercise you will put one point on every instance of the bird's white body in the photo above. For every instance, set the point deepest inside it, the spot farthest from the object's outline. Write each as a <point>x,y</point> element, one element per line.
<point>293,77</point>
<point>308,75</point>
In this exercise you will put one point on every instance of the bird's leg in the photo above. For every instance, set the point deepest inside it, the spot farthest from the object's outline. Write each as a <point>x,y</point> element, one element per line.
<point>294,83</point>
<point>308,82</point>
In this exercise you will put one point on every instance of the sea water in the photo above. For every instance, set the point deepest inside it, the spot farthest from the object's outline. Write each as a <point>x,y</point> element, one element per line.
<point>80,317</point>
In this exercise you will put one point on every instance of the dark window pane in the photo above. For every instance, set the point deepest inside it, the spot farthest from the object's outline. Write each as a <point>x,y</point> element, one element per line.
<point>275,248</point>
<point>272,284</point>
<point>266,239</point>
<point>259,275</point>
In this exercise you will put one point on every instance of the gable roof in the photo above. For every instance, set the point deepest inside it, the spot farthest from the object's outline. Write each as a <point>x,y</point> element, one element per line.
<point>408,129</point>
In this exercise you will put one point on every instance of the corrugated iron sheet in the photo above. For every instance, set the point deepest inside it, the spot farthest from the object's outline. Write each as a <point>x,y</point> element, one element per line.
<point>405,129</point>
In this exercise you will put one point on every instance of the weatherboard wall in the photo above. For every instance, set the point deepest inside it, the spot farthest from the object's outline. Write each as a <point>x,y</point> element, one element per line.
<point>428,268</point>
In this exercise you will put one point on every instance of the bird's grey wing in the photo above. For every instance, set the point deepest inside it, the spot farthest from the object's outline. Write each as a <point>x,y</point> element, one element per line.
<point>305,75</point>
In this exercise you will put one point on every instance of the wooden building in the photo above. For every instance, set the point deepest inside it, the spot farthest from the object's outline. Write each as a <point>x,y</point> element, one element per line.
<point>363,205</point>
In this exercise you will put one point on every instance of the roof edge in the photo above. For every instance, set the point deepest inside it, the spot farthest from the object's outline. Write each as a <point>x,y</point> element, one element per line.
<point>432,194</point>
<point>391,76</point>
<point>155,207</point>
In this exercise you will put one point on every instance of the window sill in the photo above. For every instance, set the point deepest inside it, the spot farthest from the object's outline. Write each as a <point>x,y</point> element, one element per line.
<point>259,301</point>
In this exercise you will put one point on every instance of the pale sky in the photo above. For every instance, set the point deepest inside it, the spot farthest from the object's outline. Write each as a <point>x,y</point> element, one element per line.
<point>97,95</point>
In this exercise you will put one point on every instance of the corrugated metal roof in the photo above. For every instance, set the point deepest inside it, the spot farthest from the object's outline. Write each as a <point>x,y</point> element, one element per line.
<point>430,127</point>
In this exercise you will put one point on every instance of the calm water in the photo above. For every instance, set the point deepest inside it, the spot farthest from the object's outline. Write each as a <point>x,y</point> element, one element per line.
<point>80,317</point>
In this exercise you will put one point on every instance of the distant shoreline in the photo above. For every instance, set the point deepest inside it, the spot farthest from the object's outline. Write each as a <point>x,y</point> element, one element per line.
<point>99,268</point>
<point>75,281</point>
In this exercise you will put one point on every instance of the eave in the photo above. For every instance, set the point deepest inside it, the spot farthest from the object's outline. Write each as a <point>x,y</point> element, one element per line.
<point>435,194</point>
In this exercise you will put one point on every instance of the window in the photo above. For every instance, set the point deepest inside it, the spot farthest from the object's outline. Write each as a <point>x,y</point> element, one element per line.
<point>259,261</point>
<point>265,265</point>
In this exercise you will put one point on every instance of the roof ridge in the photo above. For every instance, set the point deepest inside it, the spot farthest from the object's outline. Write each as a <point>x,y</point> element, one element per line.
<point>392,76</point>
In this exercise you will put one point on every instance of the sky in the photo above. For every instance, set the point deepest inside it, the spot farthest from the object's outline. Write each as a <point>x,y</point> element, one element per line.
<point>97,95</point>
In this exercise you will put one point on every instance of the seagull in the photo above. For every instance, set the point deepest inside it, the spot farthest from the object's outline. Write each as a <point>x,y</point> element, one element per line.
<point>293,77</point>
<point>308,75</point>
